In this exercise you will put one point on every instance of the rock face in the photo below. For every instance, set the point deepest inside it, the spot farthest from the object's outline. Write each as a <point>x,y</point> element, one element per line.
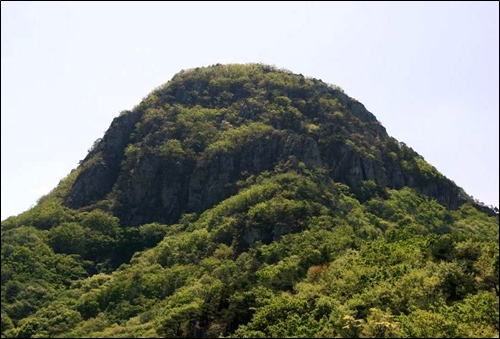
<point>308,123</point>
<point>102,165</point>
<point>214,181</point>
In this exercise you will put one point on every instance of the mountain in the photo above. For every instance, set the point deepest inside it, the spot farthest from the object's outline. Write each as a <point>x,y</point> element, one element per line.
<point>248,201</point>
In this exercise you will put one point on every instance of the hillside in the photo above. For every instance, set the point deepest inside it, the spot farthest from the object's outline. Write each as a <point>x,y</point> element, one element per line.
<point>248,201</point>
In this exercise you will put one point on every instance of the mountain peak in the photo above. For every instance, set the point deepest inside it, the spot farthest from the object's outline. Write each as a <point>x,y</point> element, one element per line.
<point>187,144</point>
<point>247,201</point>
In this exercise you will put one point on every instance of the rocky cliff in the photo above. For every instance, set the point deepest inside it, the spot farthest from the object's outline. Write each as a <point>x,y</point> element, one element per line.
<point>185,147</point>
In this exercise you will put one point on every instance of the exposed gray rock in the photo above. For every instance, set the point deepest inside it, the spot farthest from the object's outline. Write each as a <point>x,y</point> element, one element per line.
<point>101,167</point>
<point>346,139</point>
<point>215,180</point>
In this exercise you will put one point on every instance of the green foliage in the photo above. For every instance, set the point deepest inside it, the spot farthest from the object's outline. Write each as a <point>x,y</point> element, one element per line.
<point>237,138</point>
<point>369,190</point>
<point>152,234</point>
<point>101,222</point>
<point>52,321</point>
<point>68,238</point>
<point>287,250</point>
<point>44,216</point>
<point>172,149</point>
<point>290,255</point>
<point>32,272</point>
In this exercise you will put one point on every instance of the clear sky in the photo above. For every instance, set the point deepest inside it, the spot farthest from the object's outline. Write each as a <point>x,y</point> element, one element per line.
<point>429,71</point>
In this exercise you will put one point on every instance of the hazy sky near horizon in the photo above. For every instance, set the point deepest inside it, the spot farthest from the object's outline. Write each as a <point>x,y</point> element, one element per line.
<point>429,71</point>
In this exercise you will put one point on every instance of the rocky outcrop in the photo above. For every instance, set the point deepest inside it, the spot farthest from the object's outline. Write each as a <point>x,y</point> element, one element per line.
<point>101,167</point>
<point>215,180</point>
<point>154,191</point>
<point>157,190</point>
<point>329,130</point>
<point>350,167</point>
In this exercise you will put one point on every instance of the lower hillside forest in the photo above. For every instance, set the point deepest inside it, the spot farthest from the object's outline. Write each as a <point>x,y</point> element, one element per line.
<point>245,201</point>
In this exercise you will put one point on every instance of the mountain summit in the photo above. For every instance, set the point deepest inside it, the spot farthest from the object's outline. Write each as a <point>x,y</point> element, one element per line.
<point>247,201</point>
<point>185,146</point>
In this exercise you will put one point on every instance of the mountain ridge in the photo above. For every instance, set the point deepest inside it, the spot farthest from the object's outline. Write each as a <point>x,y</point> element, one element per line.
<point>309,103</point>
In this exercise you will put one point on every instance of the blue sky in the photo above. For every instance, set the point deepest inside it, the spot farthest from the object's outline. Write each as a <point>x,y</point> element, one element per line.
<point>429,71</point>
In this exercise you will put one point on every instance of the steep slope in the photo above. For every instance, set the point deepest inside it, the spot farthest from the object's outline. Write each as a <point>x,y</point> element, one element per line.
<point>183,149</point>
<point>247,201</point>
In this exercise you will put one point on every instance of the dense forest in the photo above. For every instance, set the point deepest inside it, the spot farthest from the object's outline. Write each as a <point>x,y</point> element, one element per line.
<point>248,201</point>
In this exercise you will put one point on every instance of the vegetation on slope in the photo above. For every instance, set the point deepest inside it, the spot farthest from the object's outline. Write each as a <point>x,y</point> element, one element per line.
<point>264,215</point>
<point>185,146</point>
